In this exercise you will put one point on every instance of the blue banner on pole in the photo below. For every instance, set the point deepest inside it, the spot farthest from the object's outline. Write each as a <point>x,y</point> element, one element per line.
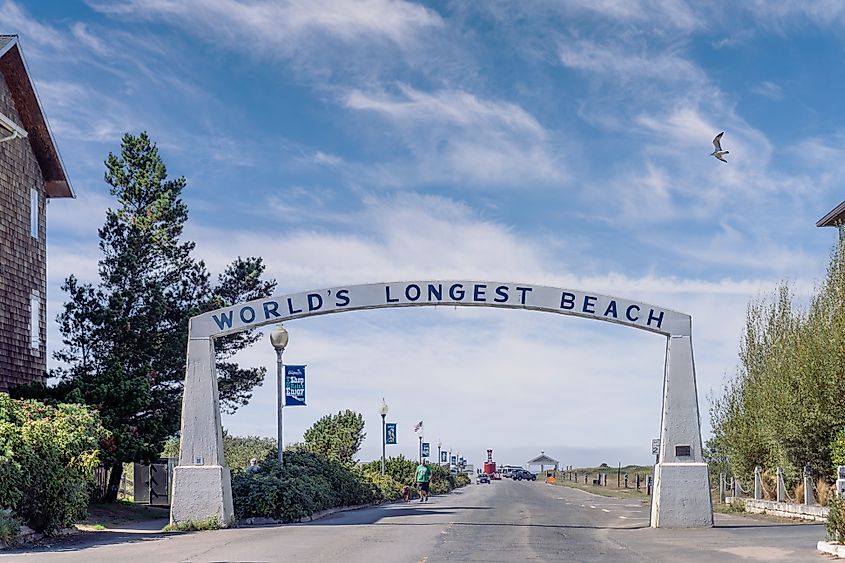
<point>454,460</point>
<point>425,449</point>
<point>294,386</point>
<point>390,433</point>
<point>444,457</point>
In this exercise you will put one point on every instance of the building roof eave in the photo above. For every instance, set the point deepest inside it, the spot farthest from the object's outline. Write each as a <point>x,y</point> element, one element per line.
<point>542,460</point>
<point>834,217</point>
<point>16,73</point>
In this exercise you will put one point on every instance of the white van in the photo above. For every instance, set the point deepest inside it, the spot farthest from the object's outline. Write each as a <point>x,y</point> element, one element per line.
<point>508,470</point>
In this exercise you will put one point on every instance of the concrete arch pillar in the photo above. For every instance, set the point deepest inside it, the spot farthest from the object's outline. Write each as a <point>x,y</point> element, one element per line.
<point>681,481</point>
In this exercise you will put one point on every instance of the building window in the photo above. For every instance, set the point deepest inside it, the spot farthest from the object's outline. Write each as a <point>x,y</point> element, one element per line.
<point>33,212</point>
<point>35,320</point>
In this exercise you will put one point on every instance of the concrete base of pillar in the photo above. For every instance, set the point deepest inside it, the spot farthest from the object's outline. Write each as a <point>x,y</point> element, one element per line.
<point>681,496</point>
<point>201,492</point>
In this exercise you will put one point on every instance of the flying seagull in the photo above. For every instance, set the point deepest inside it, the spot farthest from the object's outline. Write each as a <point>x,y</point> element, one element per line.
<point>719,153</point>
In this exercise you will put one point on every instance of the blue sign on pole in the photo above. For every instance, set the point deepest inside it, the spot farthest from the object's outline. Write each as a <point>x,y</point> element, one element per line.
<point>390,433</point>
<point>294,386</point>
<point>425,449</point>
<point>444,457</point>
<point>454,460</point>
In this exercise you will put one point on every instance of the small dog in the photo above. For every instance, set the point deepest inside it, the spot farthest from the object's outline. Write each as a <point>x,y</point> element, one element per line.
<point>406,493</point>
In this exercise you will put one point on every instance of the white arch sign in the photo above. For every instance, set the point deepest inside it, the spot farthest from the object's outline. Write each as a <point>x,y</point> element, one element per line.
<point>202,483</point>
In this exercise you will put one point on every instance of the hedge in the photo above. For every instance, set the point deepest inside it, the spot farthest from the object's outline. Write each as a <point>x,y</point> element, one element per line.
<point>47,457</point>
<point>403,471</point>
<point>309,483</point>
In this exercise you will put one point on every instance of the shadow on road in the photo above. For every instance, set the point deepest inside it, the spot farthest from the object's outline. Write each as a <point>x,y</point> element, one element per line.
<point>376,515</point>
<point>386,516</point>
<point>85,540</point>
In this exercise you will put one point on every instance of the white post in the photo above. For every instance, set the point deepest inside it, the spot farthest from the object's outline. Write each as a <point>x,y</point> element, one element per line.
<point>758,483</point>
<point>202,484</point>
<point>681,483</point>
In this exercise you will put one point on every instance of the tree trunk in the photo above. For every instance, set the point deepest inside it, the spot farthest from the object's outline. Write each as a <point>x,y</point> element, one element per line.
<point>115,473</point>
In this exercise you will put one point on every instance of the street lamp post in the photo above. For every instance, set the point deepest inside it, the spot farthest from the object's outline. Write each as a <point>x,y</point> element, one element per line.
<point>383,412</point>
<point>421,448</point>
<point>279,339</point>
<point>439,446</point>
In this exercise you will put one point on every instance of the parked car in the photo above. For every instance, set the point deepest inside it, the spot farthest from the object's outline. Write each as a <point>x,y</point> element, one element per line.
<point>482,478</point>
<point>521,474</point>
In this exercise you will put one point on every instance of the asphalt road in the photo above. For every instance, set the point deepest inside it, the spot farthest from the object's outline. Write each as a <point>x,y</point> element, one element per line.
<point>502,521</point>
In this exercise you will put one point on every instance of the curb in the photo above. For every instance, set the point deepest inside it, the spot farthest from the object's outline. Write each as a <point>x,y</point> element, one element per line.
<point>262,521</point>
<point>830,548</point>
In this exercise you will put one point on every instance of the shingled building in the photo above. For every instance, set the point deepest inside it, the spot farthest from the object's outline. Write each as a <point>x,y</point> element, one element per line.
<point>31,172</point>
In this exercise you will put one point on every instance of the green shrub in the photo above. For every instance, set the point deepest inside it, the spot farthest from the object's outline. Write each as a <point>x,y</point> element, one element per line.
<point>389,488</point>
<point>307,483</point>
<point>400,469</point>
<point>403,471</point>
<point>48,455</point>
<point>837,450</point>
<point>836,520</point>
<point>10,528</point>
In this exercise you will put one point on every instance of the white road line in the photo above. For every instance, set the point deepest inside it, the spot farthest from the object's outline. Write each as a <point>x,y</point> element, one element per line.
<point>592,506</point>
<point>624,517</point>
<point>605,510</point>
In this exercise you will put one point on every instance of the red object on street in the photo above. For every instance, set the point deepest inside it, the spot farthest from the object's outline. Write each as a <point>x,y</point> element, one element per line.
<point>490,467</point>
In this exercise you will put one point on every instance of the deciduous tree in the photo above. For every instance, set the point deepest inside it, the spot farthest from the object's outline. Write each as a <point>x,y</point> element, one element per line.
<point>337,436</point>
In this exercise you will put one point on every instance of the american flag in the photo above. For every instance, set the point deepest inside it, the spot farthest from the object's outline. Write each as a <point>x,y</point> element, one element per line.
<point>418,427</point>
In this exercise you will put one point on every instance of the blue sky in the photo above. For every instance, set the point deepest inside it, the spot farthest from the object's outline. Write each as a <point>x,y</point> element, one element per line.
<point>546,142</point>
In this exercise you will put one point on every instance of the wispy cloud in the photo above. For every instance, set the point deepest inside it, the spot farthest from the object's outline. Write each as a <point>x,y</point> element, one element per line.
<point>281,27</point>
<point>37,38</point>
<point>446,106</point>
<point>663,13</point>
<point>769,90</point>
<point>788,14</point>
<point>626,62</point>
<point>455,135</point>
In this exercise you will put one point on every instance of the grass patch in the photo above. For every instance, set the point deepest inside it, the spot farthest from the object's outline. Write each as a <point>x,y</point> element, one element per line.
<point>611,490</point>
<point>194,525</point>
<point>735,507</point>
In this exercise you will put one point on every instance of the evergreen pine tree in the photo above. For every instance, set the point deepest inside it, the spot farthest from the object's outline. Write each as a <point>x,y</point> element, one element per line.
<point>125,339</point>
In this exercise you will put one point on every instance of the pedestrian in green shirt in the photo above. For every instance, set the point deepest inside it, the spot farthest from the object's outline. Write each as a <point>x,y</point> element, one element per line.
<point>423,480</point>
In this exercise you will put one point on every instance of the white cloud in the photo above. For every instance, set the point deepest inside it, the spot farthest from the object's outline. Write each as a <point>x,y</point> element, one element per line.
<point>661,13</point>
<point>36,38</point>
<point>456,136</point>
<point>787,14</point>
<point>769,90</point>
<point>453,107</point>
<point>626,63</point>
<point>282,26</point>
